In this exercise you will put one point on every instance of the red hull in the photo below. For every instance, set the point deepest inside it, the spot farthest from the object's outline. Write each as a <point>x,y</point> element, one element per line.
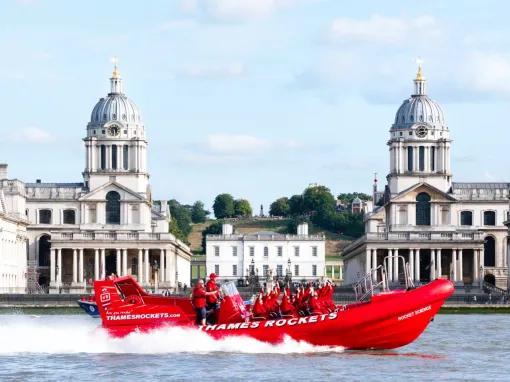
<point>389,320</point>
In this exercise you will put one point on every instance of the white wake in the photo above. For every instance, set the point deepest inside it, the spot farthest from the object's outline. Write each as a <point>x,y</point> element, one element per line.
<point>80,334</point>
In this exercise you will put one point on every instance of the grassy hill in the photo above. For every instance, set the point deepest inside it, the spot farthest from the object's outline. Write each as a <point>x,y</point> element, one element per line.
<point>334,242</point>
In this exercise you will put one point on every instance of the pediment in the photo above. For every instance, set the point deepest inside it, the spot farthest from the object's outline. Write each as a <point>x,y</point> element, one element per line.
<point>410,194</point>
<point>99,194</point>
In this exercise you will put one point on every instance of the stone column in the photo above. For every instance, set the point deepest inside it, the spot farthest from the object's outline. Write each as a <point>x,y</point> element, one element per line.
<point>390,264</point>
<point>119,262</point>
<point>96,264</point>
<point>59,265</point>
<point>124,262</point>
<point>52,266</point>
<point>417,265</point>
<point>461,269</point>
<point>395,265</point>
<point>146,263</point>
<point>80,266</point>
<point>162,265</point>
<point>454,264</point>
<point>169,269</point>
<point>103,265</point>
<point>481,255</point>
<point>140,266</point>
<point>411,264</point>
<point>432,264</point>
<point>367,260</point>
<point>475,264</point>
<point>374,264</point>
<point>75,266</point>
<point>438,263</point>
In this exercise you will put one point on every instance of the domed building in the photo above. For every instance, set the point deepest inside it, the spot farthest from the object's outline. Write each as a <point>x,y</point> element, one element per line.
<point>440,227</point>
<point>107,224</point>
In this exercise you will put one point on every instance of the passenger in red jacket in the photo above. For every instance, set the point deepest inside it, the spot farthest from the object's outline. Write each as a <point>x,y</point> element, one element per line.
<point>259,308</point>
<point>286,308</point>
<point>211,286</point>
<point>315,307</point>
<point>199,301</point>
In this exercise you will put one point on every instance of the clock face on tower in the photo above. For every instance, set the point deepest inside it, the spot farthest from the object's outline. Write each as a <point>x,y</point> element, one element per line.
<point>421,132</point>
<point>114,130</point>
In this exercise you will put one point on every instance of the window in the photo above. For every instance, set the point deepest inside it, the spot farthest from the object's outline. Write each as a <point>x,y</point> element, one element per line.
<point>266,251</point>
<point>217,269</point>
<point>92,214</point>
<point>216,250</point>
<point>279,251</point>
<point>421,157</point>
<point>103,157</point>
<point>423,209</point>
<point>69,217</point>
<point>113,208</point>
<point>445,216</point>
<point>489,218</point>
<point>279,270</point>
<point>314,251</point>
<point>466,218</point>
<point>265,269</point>
<point>314,270</point>
<point>234,250</point>
<point>135,214</point>
<point>402,216</point>
<point>296,251</point>
<point>114,157</point>
<point>234,269</point>
<point>489,254</point>
<point>296,270</point>
<point>44,251</point>
<point>44,216</point>
<point>409,159</point>
<point>125,157</point>
<point>432,159</point>
<point>252,251</point>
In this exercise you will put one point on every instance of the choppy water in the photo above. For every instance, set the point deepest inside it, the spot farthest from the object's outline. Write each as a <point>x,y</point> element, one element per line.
<point>47,348</point>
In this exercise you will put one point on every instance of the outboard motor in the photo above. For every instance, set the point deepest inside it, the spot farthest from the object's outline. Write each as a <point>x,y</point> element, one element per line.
<point>232,307</point>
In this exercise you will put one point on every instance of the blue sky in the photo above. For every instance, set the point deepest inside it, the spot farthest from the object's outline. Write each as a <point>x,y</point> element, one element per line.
<point>258,98</point>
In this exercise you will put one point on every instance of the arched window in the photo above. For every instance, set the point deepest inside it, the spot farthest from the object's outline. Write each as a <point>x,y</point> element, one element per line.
<point>466,218</point>
<point>44,216</point>
<point>44,251</point>
<point>489,218</point>
<point>489,247</point>
<point>409,159</point>
<point>112,208</point>
<point>423,209</point>
<point>69,217</point>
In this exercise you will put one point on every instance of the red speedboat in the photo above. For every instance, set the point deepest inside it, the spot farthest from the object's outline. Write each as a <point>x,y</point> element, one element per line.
<point>380,319</point>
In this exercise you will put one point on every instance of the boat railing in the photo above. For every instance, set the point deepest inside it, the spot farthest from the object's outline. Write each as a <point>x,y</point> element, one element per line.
<point>402,264</point>
<point>375,280</point>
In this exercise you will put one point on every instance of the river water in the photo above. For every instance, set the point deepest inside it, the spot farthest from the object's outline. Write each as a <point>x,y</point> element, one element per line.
<point>48,348</point>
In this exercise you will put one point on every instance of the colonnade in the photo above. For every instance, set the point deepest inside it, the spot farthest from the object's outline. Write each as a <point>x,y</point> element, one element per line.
<point>167,265</point>
<point>414,259</point>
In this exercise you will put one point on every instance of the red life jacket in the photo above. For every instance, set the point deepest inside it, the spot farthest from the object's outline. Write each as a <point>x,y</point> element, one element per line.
<point>211,287</point>
<point>199,297</point>
<point>259,310</point>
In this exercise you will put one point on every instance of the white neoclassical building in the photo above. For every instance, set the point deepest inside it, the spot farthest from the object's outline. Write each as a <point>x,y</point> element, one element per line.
<point>13,235</point>
<point>442,228</point>
<point>233,256</point>
<point>108,223</point>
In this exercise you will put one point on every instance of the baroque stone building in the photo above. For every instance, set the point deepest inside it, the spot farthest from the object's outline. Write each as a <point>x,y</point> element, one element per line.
<point>442,228</point>
<point>108,223</point>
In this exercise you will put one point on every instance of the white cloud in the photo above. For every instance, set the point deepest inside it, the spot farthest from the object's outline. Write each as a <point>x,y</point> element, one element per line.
<point>228,70</point>
<point>380,29</point>
<point>235,144</point>
<point>486,72</point>
<point>32,134</point>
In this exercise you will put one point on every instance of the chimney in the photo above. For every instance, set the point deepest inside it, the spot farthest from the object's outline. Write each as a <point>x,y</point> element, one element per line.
<point>38,180</point>
<point>302,229</point>
<point>3,171</point>
<point>164,208</point>
<point>227,229</point>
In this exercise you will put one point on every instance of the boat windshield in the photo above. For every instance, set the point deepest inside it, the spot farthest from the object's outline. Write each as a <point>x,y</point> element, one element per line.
<point>229,289</point>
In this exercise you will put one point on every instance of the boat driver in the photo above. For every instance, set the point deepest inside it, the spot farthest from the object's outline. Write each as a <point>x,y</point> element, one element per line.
<point>199,301</point>
<point>211,286</point>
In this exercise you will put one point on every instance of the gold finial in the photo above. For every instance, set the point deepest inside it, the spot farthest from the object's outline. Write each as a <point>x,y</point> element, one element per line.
<point>419,74</point>
<point>116,73</point>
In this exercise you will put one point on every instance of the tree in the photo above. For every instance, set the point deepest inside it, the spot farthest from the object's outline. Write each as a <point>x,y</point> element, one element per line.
<point>280,207</point>
<point>296,205</point>
<point>318,199</point>
<point>223,206</point>
<point>180,225</point>
<point>348,197</point>
<point>198,213</point>
<point>242,208</point>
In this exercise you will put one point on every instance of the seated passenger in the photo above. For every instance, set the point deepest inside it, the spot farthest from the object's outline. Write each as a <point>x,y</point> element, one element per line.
<point>259,309</point>
<point>315,307</point>
<point>286,308</point>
